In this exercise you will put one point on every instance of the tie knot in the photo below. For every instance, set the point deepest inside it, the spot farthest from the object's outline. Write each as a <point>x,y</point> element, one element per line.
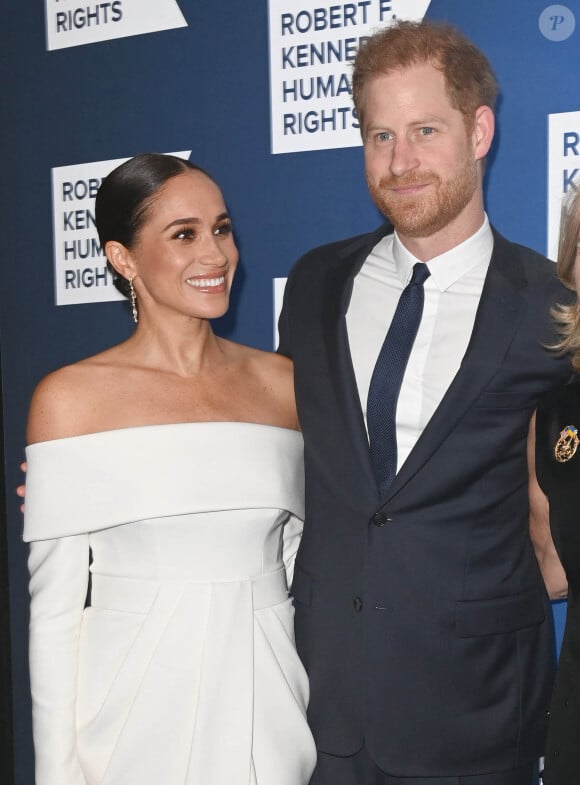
<point>420,273</point>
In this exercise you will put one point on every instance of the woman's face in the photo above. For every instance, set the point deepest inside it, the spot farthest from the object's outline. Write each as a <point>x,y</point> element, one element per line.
<point>185,256</point>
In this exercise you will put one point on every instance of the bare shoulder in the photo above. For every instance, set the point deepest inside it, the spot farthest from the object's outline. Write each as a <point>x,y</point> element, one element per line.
<point>272,385</point>
<point>279,367</point>
<point>274,369</point>
<point>276,378</point>
<point>64,402</point>
<point>50,406</point>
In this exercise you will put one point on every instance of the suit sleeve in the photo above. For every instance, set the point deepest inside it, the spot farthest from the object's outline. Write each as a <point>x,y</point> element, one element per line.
<point>59,570</point>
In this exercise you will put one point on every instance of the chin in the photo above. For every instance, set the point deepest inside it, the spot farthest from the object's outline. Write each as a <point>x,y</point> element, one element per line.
<point>213,312</point>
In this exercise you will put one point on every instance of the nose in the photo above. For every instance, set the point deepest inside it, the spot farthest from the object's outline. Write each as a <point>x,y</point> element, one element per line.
<point>403,158</point>
<point>212,252</point>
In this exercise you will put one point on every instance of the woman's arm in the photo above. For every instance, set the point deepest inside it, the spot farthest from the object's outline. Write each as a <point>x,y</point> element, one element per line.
<point>59,570</point>
<point>550,565</point>
<point>59,573</point>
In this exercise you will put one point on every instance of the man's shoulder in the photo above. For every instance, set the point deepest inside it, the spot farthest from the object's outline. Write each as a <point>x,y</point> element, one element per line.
<point>337,251</point>
<point>535,264</point>
<point>533,275</point>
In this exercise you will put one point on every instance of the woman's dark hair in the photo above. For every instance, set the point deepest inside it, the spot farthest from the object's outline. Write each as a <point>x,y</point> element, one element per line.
<point>125,196</point>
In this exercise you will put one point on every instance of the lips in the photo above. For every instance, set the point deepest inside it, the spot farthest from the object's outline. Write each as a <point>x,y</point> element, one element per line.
<point>406,190</point>
<point>404,186</point>
<point>408,184</point>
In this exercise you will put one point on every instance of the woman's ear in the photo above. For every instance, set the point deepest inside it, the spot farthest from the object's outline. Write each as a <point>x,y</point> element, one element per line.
<point>120,257</point>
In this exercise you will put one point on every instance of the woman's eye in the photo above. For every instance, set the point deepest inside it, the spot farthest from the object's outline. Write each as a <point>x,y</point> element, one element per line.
<point>223,229</point>
<point>184,234</point>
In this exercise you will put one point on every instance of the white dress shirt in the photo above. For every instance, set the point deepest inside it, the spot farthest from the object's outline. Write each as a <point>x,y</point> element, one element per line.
<point>452,294</point>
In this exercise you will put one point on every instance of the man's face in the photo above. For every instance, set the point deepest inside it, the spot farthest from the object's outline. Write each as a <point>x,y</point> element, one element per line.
<point>420,158</point>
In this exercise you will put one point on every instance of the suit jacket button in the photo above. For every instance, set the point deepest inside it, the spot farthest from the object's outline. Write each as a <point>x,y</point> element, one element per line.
<point>358,604</point>
<point>380,518</point>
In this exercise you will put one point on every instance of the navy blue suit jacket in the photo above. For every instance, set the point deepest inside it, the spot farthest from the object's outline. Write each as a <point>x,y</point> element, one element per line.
<point>421,617</point>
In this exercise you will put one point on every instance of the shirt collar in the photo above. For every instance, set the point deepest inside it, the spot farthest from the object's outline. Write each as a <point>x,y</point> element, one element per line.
<point>447,268</point>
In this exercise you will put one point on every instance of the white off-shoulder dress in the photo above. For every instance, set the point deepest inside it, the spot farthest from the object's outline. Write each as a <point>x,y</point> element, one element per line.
<point>182,668</point>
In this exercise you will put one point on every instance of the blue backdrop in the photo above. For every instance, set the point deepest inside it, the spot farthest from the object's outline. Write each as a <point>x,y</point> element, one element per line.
<point>205,87</point>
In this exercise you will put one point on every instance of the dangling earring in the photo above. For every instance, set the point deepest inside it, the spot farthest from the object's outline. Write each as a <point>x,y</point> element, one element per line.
<point>133,301</point>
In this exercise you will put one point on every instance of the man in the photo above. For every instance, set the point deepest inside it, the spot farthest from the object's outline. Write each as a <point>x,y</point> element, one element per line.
<point>421,616</point>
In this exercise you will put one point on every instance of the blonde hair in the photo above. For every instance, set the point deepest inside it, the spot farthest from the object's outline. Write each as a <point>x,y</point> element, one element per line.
<point>568,316</point>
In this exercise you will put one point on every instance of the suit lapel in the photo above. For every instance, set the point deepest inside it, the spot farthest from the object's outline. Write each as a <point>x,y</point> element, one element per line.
<point>496,323</point>
<point>343,381</point>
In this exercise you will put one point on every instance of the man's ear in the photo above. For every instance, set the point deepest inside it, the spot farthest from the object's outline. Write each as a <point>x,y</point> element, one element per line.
<point>121,259</point>
<point>483,130</point>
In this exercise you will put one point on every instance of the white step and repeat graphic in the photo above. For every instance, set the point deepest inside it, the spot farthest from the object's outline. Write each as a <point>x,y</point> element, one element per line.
<point>312,46</point>
<point>73,23</point>
<point>563,169</point>
<point>278,293</point>
<point>80,266</point>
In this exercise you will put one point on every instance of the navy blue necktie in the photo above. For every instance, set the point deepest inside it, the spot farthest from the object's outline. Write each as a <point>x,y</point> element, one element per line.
<point>388,376</point>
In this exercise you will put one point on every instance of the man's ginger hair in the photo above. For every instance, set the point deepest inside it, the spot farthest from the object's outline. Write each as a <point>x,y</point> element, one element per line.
<point>469,78</point>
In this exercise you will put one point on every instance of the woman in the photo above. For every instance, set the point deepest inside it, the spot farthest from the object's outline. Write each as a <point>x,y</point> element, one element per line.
<point>554,461</point>
<point>172,464</point>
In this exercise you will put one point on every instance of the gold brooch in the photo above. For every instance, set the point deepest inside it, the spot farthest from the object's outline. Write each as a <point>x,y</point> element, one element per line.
<point>567,444</point>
